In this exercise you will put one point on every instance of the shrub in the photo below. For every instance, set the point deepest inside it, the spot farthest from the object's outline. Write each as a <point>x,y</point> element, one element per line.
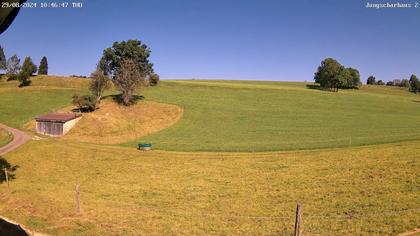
<point>154,79</point>
<point>85,103</point>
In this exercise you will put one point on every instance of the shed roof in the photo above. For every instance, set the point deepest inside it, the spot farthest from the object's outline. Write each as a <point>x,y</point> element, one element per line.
<point>58,117</point>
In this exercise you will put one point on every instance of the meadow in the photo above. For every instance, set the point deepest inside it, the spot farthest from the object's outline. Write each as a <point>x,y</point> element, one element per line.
<point>272,116</point>
<point>370,190</point>
<point>232,164</point>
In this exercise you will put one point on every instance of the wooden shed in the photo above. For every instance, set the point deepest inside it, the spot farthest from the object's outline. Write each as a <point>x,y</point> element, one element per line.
<point>56,124</point>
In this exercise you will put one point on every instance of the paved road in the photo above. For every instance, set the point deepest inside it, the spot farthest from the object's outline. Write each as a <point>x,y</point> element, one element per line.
<point>19,138</point>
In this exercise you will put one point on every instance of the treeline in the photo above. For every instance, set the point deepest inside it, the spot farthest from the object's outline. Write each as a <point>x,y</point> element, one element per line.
<point>15,71</point>
<point>413,84</point>
<point>331,75</point>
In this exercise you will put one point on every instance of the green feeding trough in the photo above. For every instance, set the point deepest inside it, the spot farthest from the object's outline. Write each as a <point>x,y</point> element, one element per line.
<point>145,146</point>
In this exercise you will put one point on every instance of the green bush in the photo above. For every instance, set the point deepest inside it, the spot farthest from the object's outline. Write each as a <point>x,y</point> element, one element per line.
<point>85,103</point>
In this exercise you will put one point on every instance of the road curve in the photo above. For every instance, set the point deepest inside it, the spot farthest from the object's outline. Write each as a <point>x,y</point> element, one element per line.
<point>19,138</point>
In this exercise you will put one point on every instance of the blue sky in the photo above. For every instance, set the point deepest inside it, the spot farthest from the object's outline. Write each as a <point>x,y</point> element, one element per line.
<point>225,39</point>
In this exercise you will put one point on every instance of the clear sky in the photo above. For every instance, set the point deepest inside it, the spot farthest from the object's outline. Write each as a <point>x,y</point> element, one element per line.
<point>225,39</point>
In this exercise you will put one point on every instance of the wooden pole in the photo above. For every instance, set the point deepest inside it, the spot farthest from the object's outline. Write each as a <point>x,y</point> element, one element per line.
<point>77,197</point>
<point>7,178</point>
<point>297,220</point>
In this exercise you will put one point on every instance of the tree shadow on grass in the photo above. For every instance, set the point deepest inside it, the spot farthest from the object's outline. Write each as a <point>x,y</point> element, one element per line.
<point>314,86</point>
<point>10,170</point>
<point>118,99</point>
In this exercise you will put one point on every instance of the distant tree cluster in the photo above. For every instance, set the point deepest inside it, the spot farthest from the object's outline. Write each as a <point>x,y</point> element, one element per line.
<point>405,83</point>
<point>371,80</point>
<point>412,84</point>
<point>15,71</point>
<point>332,75</point>
<point>79,76</point>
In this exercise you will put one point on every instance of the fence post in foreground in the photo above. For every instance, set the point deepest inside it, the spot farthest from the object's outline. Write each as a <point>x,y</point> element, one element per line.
<point>77,197</point>
<point>297,220</point>
<point>7,178</point>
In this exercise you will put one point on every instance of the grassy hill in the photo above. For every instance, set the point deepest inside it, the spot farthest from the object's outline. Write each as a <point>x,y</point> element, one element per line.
<point>269,116</point>
<point>363,190</point>
<point>246,115</point>
<point>370,190</point>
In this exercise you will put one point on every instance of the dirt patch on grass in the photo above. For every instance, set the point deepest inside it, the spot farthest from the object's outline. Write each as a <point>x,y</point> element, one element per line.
<point>112,123</point>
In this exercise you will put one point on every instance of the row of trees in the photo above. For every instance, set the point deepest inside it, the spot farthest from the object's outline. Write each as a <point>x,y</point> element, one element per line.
<point>412,84</point>
<point>15,71</point>
<point>332,75</point>
<point>126,65</point>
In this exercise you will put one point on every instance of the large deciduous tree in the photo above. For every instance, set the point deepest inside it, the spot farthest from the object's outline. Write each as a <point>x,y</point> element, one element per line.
<point>332,75</point>
<point>134,50</point>
<point>327,74</point>
<point>128,79</point>
<point>43,66</point>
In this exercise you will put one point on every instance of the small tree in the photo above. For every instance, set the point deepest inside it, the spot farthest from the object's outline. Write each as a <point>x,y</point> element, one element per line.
<point>154,79</point>
<point>414,84</point>
<point>371,80</point>
<point>28,66</point>
<point>99,83</point>
<point>380,82</point>
<point>13,67</point>
<point>389,83</point>
<point>3,65</point>
<point>405,83</point>
<point>23,78</point>
<point>128,79</point>
<point>43,66</point>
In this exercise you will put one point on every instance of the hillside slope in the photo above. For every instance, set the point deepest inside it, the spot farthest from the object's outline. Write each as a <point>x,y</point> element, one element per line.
<point>270,116</point>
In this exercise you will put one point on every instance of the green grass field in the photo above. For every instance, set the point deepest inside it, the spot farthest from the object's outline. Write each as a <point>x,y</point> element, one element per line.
<point>346,188</point>
<point>270,116</point>
<point>369,190</point>
<point>20,105</point>
<point>5,137</point>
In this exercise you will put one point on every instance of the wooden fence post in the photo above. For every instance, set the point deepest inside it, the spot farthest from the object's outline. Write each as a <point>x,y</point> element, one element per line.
<point>297,220</point>
<point>77,197</point>
<point>7,178</point>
